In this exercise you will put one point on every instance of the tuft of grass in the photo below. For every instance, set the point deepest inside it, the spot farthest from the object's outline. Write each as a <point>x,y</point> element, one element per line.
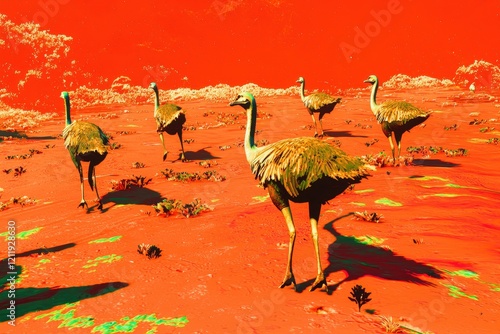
<point>452,127</point>
<point>138,164</point>
<point>369,217</point>
<point>371,142</point>
<point>151,251</point>
<point>210,175</point>
<point>389,325</point>
<point>126,184</point>
<point>22,201</point>
<point>168,207</point>
<point>383,160</point>
<point>459,152</point>
<point>28,155</point>
<point>208,163</point>
<point>115,146</point>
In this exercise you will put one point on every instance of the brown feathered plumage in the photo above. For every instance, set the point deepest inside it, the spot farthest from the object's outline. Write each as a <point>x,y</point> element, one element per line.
<point>297,163</point>
<point>395,116</point>
<point>169,118</point>
<point>299,170</point>
<point>321,103</point>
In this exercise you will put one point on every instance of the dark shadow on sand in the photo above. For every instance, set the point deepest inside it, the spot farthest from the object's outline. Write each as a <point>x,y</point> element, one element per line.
<point>30,299</point>
<point>38,299</point>
<point>201,154</point>
<point>335,134</point>
<point>356,259</point>
<point>434,163</point>
<point>22,135</point>
<point>133,196</point>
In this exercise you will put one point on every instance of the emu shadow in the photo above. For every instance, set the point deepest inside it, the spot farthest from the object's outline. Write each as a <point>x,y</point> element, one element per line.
<point>135,195</point>
<point>38,299</point>
<point>342,134</point>
<point>434,163</point>
<point>201,154</point>
<point>46,250</point>
<point>356,259</point>
<point>22,135</point>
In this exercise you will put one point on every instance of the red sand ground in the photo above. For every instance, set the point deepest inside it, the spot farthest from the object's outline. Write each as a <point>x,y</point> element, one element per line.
<point>431,262</point>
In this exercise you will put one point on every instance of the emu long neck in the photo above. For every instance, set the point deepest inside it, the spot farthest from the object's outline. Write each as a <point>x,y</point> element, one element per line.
<point>250,148</point>
<point>373,98</point>
<point>157,98</point>
<point>67,110</point>
<point>302,87</point>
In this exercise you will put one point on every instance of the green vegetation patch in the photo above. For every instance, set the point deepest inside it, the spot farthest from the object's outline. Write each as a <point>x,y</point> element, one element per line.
<point>369,240</point>
<point>103,240</point>
<point>22,235</point>
<point>68,319</point>
<point>427,178</point>
<point>102,259</point>
<point>363,191</point>
<point>456,292</point>
<point>389,202</point>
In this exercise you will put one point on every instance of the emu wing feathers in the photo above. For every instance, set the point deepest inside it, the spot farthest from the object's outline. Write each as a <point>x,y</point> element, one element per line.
<point>317,101</point>
<point>297,163</point>
<point>399,111</point>
<point>82,137</point>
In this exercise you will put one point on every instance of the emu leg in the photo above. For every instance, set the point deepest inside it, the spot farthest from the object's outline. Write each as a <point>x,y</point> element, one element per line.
<point>82,204</point>
<point>314,211</point>
<point>321,124</point>
<point>398,137</point>
<point>183,158</point>
<point>392,147</point>
<point>165,152</point>
<point>96,192</point>
<point>289,277</point>
<point>315,125</point>
<point>279,198</point>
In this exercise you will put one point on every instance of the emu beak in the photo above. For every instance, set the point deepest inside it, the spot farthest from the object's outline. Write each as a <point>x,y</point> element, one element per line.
<point>367,81</point>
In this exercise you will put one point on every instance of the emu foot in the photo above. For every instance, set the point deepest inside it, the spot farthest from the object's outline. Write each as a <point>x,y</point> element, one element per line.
<point>165,156</point>
<point>320,282</point>
<point>83,204</point>
<point>289,280</point>
<point>99,206</point>
<point>183,158</point>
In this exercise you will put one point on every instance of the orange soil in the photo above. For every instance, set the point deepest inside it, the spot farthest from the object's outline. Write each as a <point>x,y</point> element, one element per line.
<point>432,262</point>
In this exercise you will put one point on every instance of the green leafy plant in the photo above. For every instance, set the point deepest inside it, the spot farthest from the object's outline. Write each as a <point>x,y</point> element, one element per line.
<point>359,296</point>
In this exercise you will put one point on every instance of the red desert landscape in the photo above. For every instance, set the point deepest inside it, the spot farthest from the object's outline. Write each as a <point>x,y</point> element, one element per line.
<point>197,246</point>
